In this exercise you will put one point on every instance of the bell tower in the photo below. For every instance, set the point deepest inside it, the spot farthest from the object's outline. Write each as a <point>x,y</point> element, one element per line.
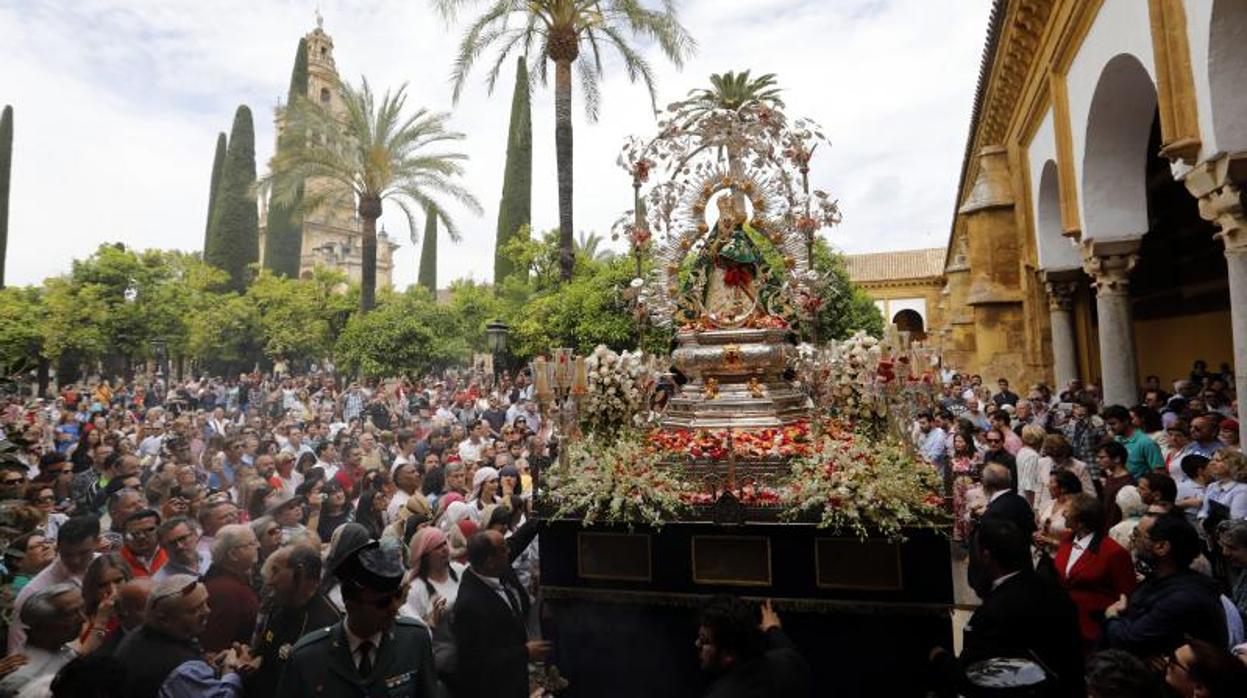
<point>322,73</point>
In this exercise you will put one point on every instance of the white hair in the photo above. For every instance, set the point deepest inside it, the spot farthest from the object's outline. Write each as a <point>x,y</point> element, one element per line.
<point>229,537</point>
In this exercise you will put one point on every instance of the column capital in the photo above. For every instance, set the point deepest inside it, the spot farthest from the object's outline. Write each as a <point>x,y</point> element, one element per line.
<point>1220,185</point>
<point>1109,263</point>
<point>1060,287</point>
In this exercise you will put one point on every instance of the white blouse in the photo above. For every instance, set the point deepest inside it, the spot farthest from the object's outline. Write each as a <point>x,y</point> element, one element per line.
<point>420,605</point>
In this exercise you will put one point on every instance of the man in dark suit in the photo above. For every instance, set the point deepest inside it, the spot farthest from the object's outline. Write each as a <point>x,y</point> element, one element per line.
<point>1003,503</point>
<point>744,658</point>
<point>1022,616</point>
<point>488,624</point>
<point>371,652</point>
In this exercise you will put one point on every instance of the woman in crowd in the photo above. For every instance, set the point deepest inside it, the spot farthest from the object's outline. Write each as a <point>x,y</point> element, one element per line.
<point>1132,507</point>
<point>484,489</point>
<point>433,577</point>
<point>1094,569</point>
<point>103,577</point>
<point>26,557</point>
<point>370,512</point>
<point>1028,462</point>
<point>335,510</point>
<point>1111,457</point>
<point>1225,497</point>
<point>965,466</point>
<point>1058,455</point>
<point>1051,519</point>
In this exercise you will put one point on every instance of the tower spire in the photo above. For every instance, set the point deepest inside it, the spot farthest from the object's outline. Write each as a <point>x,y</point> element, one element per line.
<point>320,20</point>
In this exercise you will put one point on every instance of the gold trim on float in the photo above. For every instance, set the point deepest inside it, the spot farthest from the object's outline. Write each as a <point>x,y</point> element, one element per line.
<point>580,557</point>
<point>731,581</point>
<point>818,569</point>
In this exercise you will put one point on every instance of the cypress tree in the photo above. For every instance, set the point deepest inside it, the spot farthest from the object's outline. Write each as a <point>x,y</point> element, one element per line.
<point>283,244</point>
<point>428,254</point>
<point>515,208</point>
<point>218,162</point>
<point>235,229</point>
<point>6,165</point>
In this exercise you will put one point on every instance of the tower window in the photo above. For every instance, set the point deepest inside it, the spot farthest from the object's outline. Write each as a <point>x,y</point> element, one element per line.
<point>324,95</point>
<point>324,51</point>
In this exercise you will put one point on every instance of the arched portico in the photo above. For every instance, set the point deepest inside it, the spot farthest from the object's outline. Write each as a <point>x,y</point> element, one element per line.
<point>1061,264</point>
<point>909,320</point>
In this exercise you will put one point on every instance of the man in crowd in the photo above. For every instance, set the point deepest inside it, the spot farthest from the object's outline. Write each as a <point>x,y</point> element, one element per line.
<point>1084,431</point>
<point>372,651</point>
<point>996,453</point>
<point>1204,437</point>
<point>1022,615</point>
<point>1173,602</point>
<point>407,479</point>
<point>216,512</point>
<point>1005,396</point>
<point>131,608</point>
<point>77,540</point>
<point>163,656</point>
<point>471,447</point>
<point>295,607</point>
<point>1158,491</point>
<point>234,604</point>
<point>741,656</point>
<point>931,438</point>
<point>1143,455</point>
<point>179,539</point>
<point>53,618</point>
<point>489,625</point>
<point>141,549</point>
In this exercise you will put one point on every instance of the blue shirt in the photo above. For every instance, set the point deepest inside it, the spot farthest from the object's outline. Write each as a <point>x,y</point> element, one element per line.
<point>195,679</point>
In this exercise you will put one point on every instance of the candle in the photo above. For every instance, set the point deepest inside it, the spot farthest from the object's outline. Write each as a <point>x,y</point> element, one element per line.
<point>580,384</point>
<point>562,368</point>
<point>541,376</point>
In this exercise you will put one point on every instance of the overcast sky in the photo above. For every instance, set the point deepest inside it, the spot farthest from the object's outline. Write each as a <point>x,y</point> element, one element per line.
<point>118,104</point>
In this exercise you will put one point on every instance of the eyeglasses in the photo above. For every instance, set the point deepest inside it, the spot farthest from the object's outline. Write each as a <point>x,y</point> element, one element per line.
<point>1171,659</point>
<point>141,533</point>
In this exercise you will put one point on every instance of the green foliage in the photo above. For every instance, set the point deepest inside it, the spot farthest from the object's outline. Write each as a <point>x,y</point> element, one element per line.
<point>224,335</point>
<point>428,254</point>
<point>22,315</point>
<point>6,166</point>
<point>515,209</point>
<point>406,334</point>
<point>846,307</point>
<point>234,238</point>
<point>475,305</point>
<point>283,243</point>
<point>299,319</point>
<point>214,186</point>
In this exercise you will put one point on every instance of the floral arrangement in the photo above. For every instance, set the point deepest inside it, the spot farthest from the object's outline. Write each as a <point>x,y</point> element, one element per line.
<point>747,444</point>
<point>853,484</point>
<point>616,482</point>
<point>854,370</point>
<point>615,390</point>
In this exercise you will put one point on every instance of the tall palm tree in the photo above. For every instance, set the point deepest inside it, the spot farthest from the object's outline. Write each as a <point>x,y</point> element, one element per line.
<point>735,91</point>
<point>558,31</point>
<point>368,154</point>
<point>590,245</point>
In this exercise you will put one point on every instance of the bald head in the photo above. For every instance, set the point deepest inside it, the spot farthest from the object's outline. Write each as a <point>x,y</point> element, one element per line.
<point>132,601</point>
<point>996,477</point>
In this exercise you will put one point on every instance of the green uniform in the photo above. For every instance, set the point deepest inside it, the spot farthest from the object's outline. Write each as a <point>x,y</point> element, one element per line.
<point>321,665</point>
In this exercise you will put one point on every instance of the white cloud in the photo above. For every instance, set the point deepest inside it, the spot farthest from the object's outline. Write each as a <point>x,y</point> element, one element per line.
<point>118,103</point>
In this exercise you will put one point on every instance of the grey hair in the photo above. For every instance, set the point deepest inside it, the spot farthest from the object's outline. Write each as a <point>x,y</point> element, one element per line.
<point>258,525</point>
<point>170,587</point>
<point>227,539</point>
<point>39,607</point>
<point>1235,531</point>
<point>996,477</point>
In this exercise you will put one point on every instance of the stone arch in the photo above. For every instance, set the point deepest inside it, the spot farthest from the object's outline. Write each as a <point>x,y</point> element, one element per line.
<point>1119,123</point>
<point>1056,251</point>
<point>910,320</point>
<point>1227,74</point>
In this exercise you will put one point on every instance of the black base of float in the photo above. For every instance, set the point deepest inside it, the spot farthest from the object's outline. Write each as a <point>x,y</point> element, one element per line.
<point>622,605</point>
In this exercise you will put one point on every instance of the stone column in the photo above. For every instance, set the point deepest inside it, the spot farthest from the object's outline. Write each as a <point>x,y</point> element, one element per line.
<point>1109,264</point>
<point>1060,290</point>
<point>1221,187</point>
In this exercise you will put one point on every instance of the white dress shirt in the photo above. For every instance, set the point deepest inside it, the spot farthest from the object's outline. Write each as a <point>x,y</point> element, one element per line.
<point>1076,551</point>
<point>354,642</point>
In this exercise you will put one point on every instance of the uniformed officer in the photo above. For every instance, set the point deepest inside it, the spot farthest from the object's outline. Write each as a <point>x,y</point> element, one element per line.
<point>371,652</point>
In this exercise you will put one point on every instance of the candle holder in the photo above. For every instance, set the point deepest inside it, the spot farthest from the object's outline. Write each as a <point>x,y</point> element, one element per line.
<point>558,385</point>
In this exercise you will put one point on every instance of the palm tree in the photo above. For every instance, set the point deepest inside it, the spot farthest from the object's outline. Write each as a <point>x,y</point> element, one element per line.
<point>735,91</point>
<point>588,244</point>
<point>368,154</point>
<point>558,31</point>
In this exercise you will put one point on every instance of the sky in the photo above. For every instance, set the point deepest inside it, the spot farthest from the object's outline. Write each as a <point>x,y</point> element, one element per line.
<point>117,105</point>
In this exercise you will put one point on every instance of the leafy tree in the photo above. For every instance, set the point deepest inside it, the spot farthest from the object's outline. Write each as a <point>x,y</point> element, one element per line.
<point>515,209</point>
<point>234,238</point>
<point>283,243</point>
<point>224,336</point>
<point>373,153</point>
<point>428,255</point>
<point>6,166</point>
<point>22,316</point>
<point>557,31</point>
<point>299,319</point>
<point>475,305</point>
<point>214,186</point>
<point>407,334</point>
<point>846,307</point>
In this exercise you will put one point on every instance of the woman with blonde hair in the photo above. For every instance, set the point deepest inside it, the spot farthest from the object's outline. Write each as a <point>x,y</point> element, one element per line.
<point>1029,483</point>
<point>1225,498</point>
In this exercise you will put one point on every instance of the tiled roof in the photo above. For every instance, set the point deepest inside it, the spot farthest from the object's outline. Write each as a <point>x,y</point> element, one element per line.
<point>890,266</point>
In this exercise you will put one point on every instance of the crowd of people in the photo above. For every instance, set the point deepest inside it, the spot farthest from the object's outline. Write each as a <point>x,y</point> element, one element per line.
<point>273,535</point>
<point>1107,543</point>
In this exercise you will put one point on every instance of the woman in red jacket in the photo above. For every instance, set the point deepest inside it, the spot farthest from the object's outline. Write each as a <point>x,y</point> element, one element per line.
<point>1094,569</point>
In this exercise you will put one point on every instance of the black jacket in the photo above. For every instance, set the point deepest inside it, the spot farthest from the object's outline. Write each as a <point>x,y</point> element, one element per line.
<point>149,656</point>
<point>490,641</point>
<point>1161,611</point>
<point>781,672</point>
<point>1025,616</point>
<point>1012,506</point>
